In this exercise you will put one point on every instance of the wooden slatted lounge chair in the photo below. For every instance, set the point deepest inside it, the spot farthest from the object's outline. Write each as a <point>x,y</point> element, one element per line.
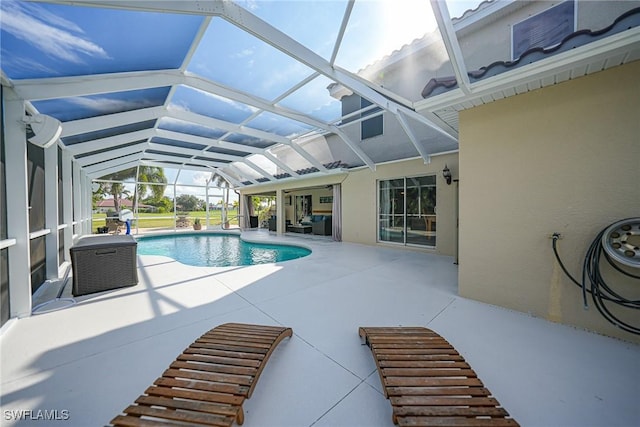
<point>208,383</point>
<point>428,382</point>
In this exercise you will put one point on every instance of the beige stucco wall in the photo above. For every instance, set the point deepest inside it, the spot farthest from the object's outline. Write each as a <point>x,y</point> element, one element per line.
<point>359,196</point>
<point>561,159</point>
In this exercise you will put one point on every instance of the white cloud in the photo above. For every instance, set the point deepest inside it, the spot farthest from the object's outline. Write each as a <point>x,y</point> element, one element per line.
<point>182,103</point>
<point>178,106</point>
<point>11,61</point>
<point>248,4</point>
<point>47,32</point>
<point>243,53</point>
<point>201,178</point>
<point>108,105</point>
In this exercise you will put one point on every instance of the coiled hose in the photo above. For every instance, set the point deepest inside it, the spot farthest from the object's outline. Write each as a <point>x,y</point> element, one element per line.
<point>594,283</point>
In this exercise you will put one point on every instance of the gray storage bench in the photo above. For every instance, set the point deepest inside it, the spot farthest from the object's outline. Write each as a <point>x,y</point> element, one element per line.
<point>103,262</point>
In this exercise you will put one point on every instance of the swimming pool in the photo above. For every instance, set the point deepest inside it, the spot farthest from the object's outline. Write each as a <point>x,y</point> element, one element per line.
<point>217,250</point>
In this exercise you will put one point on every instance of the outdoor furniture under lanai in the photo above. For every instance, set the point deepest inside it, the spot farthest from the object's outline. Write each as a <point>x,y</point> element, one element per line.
<point>322,227</point>
<point>182,221</point>
<point>428,382</point>
<point>299,228</point>
<point>103,262</point>
<point>210,380</point>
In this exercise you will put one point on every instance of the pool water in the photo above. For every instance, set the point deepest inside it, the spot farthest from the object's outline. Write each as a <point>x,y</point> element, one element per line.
<point>217,250</point>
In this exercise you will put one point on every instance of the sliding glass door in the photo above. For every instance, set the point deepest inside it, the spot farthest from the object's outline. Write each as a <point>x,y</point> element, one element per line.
<point>407,211</point>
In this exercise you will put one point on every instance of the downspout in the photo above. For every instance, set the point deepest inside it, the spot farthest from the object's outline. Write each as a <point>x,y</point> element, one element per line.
<point>457,216</point>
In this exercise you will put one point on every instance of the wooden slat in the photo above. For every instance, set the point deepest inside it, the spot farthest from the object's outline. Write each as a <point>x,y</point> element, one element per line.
<point>244,344</point>
<point>400,330</point>
<point>442,401</point>
<point>417,351</point>
<point>202,396</point>
<point>204,365</point>
<point>422,364</point>
<point>186,416</point>
<point>439,411</point>
<point>266,330</point>
<point>382,339</point>
<point>424,382</point>
<point>231,336</point>
<point>450,355</point>
<point>411,345</point>
<point>455,422</point>
<point>234,361</point>
<point>128,421</point>
<point>226,389</point>
<point>223,353</point>
<point>209,381</point>
<point>438,391</point>
<point>427,381</point>
<point>207,376</point>
<point>210,408</point>
<point>228,345</point>
<point>427,372</point>
<point>245,363</point>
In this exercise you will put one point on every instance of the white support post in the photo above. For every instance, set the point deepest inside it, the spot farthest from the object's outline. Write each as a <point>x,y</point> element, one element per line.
<point>51,210</point>
<point>18,208</point>
<point>175,207</point>
<point>86,204</point>
<point>67,202</point>
<point>280,223</point>
<point>223,211</point>
<point>206,207</point>
<point>77,201</point>
<point>83,202</point>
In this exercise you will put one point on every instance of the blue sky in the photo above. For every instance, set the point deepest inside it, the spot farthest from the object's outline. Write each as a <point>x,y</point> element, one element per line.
<point>40,40</point>
<point>46,40</point>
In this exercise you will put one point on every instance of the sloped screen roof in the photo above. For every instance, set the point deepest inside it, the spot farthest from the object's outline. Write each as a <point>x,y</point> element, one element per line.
<point>209,86</point>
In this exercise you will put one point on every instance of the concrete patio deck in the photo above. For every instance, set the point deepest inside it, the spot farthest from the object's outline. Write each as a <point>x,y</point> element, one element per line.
<point>94,358</point>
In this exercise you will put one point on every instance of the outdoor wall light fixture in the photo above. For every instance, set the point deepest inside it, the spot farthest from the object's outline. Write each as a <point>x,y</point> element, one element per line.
<point>446,173</point>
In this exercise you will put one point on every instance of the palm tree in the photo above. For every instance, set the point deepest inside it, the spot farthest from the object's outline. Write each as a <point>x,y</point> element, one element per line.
<point>116,189</point>
<point>221,182</point>
<point>146,174</point>
<point>153,176</point>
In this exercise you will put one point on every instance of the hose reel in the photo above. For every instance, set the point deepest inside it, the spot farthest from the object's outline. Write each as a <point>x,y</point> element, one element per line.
<point>621,240</point>
<point>619,243</point>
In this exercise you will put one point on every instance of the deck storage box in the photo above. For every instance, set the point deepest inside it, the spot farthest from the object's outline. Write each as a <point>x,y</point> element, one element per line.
<point>102,263</point>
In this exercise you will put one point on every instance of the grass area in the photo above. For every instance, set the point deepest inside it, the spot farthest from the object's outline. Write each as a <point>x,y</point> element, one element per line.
<point>166,220</point>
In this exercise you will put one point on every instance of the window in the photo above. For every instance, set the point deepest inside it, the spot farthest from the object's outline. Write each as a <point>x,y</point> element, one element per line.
<point>369,127</point>
<point>545,29</point>
<point>407,211</point>
<point>373,126</point>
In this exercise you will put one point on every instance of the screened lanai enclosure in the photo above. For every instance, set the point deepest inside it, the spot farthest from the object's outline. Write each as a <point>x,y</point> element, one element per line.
<point>175,109</point>
<point>211,96</point>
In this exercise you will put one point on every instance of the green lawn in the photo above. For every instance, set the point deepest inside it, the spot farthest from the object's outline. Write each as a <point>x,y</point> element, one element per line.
<point>165,220</point>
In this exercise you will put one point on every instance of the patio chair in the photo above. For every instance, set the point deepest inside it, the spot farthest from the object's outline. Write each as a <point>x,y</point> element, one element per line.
<point>428,382</point>
<point>208,383</point>
<point>113,226</point>
<point>182,221</point>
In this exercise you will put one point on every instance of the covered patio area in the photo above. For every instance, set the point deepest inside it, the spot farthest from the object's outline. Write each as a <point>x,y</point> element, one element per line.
<point>94,358</point>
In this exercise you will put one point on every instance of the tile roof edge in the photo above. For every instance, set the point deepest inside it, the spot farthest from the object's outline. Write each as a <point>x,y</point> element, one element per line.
<point>449,82</point>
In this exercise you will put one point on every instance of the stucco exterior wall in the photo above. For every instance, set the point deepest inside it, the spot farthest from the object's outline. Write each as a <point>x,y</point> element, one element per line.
<point>359,200</point>
<point>560,159</point>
